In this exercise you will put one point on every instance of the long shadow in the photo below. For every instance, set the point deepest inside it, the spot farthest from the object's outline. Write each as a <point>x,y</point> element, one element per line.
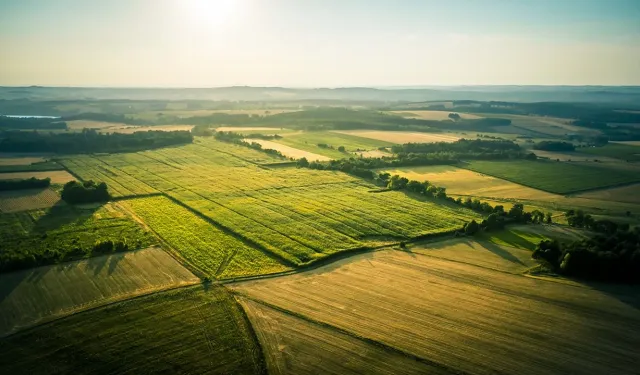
<point>61,214</point>
<point>629,294</point>
<point>502,253</point>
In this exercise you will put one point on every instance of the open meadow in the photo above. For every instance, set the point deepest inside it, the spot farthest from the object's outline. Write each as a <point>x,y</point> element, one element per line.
<point>461,316</point>
<point>626,152</point>
<point>185,331</point>
<point>401,137</point>
<point>630,194</point>
<point>554,177</point>
<point>40,294</point>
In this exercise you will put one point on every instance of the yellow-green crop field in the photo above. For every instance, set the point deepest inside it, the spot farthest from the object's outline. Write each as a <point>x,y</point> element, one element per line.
<point>293,215</point>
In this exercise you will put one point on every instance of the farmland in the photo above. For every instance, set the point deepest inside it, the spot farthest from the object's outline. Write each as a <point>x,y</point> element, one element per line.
<point>434,115</point>
<point>555,177</point>
<point>202,245</point>
<point>57,177</point>
<point>295,346</point>
<point>63,232</point>
<point>425,307</point>
<point>190,330</point>
<point>295,215</point>
<point>401,137</point>
<point>40,294</point>
<point>31,199</point>
<point>292,152</point>
<point>615,150</point>
<point>630,194</point>
<point>310,141</point>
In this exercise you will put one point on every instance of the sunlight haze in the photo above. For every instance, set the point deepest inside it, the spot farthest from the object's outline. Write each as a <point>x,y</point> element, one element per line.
<point>200,43</point>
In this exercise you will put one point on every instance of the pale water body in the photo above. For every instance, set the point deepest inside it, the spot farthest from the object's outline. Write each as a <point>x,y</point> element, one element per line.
<point>29,116</point>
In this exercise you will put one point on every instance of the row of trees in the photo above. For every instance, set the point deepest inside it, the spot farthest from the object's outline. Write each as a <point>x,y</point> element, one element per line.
<point>29,183</point>
<point>75,192</point>
<point>554,146</point>
<point>90,141</point>
<point>238,139</point>
<point>32,123</point>
<point>605,257</point>
<point>578,219</point>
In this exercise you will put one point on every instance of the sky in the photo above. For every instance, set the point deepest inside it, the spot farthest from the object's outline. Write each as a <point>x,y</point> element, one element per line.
<point>318,43</point>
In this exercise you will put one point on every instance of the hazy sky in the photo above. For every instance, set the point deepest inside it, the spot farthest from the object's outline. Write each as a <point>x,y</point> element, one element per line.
<point>302,43</point>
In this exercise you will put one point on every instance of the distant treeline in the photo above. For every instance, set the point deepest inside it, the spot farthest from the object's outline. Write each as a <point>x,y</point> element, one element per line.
<point>29,183</point>
<point>90,141</point>
<point>238,139</point>
<point>612,254</point>
<point>554,146</point>
<point>75,192</point>
<point>31,123</point>
<point>439,153</point>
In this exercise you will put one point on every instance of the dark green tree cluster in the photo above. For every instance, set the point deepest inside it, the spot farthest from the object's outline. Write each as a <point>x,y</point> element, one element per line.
<point>554,146</point>
<point>605,257</point>
<point>75,192</point>
<point>578,219</point>
<point>109,246</point>
<point>28,183</point>
<point>90,141</point>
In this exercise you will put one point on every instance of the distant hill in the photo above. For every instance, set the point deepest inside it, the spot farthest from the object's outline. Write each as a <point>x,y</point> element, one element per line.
<point>603,94</point>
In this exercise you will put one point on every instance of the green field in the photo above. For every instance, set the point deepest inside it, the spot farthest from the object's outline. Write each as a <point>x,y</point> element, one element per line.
<point>187,331</point>
<point>63,233</point>
<point>296,215</point>
<point>36,295</point>
<point>34,167</point>
<point>554,177</point>
<point>614,150</point>
<point>202,245</point>
<point>309,141</point>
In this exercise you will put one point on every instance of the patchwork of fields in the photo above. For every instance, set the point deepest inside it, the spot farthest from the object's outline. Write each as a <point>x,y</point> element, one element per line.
<point>554,177</point>
<point>293,215</point>
<point>309,141</point>
<point>57,177</point>
<point>188,331</point>
<point>401,137</point>
<point>30,199</point>
<point>615,150</point>
<point>454,315</point>
<point>40,294</point>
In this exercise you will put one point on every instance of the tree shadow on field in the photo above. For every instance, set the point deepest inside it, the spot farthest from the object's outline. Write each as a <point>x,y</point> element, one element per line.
<point>98,263</point>
<point>502,253</point>
<point>61,214</point>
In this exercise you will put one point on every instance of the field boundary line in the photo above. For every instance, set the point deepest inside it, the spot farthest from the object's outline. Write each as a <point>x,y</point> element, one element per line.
<point>53,319</point>
<point>359,337</point>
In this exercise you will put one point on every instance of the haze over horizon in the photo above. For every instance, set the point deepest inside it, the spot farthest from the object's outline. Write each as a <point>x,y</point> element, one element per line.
<point>286,43</point>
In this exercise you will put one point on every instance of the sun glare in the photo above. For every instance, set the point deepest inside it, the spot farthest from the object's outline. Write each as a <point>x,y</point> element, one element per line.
<point>209,13</point>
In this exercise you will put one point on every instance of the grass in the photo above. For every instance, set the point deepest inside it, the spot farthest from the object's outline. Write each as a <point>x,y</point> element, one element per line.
<point>33,296</point>
<point>309,141</point>
<point>201,244</point>
<point>56,176</point>
<point>614,150</point>
<point>30,199</point>
<point>554,177</point>
<point>460,317</point>
<point>528,237</point>
<point>63,233</point>
<point>186,331</point>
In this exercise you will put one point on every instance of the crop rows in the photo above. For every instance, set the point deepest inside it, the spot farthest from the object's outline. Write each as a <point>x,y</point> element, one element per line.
<point>201,244</point>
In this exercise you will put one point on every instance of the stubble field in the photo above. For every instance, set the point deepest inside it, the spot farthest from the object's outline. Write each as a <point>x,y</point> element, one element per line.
<point>461,317</point>
<point>30,199</point>
<point>32,296</point>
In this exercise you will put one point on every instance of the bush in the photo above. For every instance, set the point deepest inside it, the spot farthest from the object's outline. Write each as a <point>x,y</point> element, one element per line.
<point>75,192</point>
<point>471,228</point>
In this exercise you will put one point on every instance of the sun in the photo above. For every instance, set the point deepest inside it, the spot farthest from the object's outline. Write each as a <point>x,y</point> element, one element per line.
<point>210,13</point>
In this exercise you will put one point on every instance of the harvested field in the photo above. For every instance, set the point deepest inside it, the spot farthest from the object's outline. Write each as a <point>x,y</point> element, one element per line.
<point>11,160</point>
<point>57,177</point>
<point>629,194</point>
<point>289,151</point>
<point>31,199</point>
<point>193,330</point>
<point>434,115</point>
<point>87,124</point>
<point>464,318</point>
<point>295,346</point>
<point>527,237</point>
<point>460,181</point>
<point>484,254</point>
<point>312,141</point>
<point>401,137</point>
<point>128,129</point>
<point>254,129</point>
<point>32,296</point>
<point>373,154</point>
